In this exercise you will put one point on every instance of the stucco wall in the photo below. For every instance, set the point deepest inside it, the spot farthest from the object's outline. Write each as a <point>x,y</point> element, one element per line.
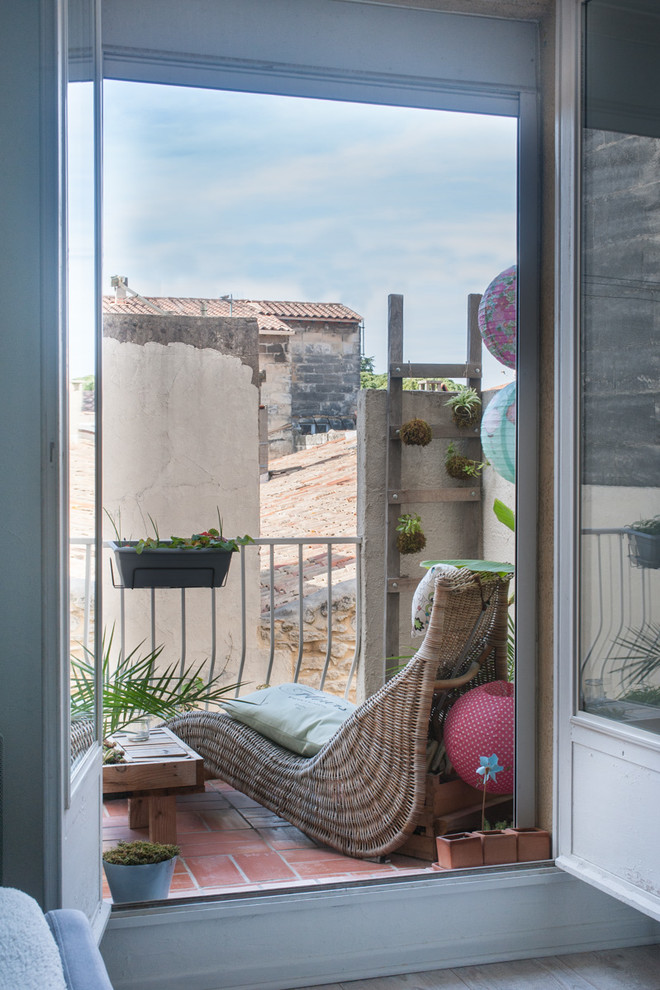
<point>275,367</point>
<point>452,529</point>
<point>180,428</point>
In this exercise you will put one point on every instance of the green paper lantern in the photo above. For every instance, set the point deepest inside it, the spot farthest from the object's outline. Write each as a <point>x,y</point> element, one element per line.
<point>498,432</point>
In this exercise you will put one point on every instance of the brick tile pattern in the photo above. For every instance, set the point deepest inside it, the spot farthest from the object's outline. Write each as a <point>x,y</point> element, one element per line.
<point>230,843</point>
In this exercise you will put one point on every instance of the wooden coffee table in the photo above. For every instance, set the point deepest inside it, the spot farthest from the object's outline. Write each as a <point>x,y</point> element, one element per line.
<point>155,771</point>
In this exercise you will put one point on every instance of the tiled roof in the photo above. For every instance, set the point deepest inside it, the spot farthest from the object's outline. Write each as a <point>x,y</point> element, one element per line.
<point>196,307</point>
<point>269,314</point>
<point>309,311</point>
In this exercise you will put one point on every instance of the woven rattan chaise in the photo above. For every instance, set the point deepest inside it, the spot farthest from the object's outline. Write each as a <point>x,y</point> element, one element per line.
<point>364,790</point>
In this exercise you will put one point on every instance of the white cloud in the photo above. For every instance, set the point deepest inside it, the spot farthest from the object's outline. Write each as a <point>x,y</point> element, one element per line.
<point>208,193</point>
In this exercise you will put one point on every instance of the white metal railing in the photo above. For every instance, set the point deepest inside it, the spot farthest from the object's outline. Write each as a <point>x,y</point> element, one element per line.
<point>617,597</point>
<point>265,546</point>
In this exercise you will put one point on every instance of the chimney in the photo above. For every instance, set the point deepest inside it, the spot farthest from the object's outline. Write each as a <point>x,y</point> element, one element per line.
<point>120,284</point>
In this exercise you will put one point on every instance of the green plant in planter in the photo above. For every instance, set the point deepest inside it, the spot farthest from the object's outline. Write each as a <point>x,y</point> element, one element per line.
<point>209,539</point>
<point>465,407</point>
<point>132,687</point>
<point>416,433</point>
<point>140,853</point>
<point>651,527</point>
<point>459,466</point>
<point>411,539</point>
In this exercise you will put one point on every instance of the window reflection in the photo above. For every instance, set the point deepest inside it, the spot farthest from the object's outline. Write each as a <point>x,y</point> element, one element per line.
<point>620,505</point>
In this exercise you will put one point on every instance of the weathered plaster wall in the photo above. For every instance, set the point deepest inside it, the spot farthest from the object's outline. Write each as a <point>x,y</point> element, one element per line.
<point>180,427</point>
<point>275,367</point>
<point>452,529</point>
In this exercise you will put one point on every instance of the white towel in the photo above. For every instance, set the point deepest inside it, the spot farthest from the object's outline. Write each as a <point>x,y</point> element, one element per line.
<point>29,957</point>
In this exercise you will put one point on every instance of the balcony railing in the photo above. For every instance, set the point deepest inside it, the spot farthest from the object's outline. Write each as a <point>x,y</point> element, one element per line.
<point>301,573</point>
<point>617,599</point>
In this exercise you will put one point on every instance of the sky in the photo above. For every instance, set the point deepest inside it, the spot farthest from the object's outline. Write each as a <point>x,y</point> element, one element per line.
<point>208,193</point>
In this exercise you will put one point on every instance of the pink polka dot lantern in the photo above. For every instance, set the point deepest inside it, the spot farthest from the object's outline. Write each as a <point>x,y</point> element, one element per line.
<point>479,724</point>
<point>498,317</point>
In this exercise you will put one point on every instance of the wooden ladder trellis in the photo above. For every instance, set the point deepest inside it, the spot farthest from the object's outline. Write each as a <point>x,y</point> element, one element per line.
<point>396,495</point>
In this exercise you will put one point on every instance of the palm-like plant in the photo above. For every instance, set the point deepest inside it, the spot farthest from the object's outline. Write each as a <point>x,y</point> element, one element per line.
<point>132,687</point>
<point>642,656</point>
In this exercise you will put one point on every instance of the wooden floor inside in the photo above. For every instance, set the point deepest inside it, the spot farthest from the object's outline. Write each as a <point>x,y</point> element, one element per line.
<point>613,969</point>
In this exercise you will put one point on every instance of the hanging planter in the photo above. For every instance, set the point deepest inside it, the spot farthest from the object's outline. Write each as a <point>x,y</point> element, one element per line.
<point>465,407</point>
<point>416,433</point>
<point>199,561</point>
<point>644,543</point>
<point>411,539</point>
<point>166,566</point>
<point>459,466</point>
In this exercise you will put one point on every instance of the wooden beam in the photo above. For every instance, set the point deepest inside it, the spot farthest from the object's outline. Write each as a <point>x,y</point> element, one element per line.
<point>405,495</point>
<point>401,369</point>
<point>397,584</point>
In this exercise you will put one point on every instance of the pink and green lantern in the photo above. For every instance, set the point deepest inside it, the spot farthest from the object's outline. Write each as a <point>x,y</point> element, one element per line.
<point>498,318</point>
<point>498,432</point>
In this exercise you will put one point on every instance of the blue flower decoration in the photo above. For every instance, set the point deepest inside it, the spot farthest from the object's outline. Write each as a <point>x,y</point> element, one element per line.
<point>489,767</point>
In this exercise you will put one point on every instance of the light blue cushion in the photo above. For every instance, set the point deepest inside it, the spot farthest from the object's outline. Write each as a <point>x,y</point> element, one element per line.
<point>298,717</point>
<point>29,957</point>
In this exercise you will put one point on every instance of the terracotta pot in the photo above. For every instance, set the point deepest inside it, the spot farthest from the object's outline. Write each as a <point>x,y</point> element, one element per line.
<point>458,850</point>
<point>532,843</point>
<point>498,846</point>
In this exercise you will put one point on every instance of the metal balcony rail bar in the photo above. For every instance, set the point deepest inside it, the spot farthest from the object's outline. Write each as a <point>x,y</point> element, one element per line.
<point>619,594</point>
<point>329,543</point>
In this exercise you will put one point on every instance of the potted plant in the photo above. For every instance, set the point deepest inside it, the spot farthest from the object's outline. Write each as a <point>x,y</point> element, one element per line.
<point>133,688</point>
<point>644,542</point>
<point>198,561</point>
<point>459,466</point>
<point>139,871</point>
<point>465,407</point>
<point>411,539</point>
<point>416,433</point>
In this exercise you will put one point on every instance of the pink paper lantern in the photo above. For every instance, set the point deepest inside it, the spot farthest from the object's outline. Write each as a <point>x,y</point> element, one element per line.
<point>479,724</point>
<point>498,317</point>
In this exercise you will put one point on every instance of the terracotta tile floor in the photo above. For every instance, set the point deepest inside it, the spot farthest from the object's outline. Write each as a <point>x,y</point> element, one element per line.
<point>229,843</point>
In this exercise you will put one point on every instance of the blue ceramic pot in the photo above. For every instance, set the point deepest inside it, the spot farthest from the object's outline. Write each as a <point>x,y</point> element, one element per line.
<point>149,882</point>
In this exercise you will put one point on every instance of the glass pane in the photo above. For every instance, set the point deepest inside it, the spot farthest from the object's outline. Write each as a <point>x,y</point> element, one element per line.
<point>620,505</point>
<point>81,371</point>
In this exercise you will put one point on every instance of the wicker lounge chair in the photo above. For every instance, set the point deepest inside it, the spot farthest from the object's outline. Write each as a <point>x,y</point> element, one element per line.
<point>364,791</point>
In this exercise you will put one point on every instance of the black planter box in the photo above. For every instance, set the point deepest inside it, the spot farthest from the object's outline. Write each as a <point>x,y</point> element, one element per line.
<point>170,568</point>
<point>644,549</point>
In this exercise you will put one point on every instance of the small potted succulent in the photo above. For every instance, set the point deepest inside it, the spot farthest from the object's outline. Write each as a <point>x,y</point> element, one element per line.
<point>139,871</point>
<point>416,433</point>
<point>465,407</point>
<point>198,561</point>
<point>411,539</point>
<point>459,466</point>
<point>644,542</point>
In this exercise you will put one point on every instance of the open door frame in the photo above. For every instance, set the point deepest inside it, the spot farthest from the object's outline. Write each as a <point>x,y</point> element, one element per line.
<point>601,767</point>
